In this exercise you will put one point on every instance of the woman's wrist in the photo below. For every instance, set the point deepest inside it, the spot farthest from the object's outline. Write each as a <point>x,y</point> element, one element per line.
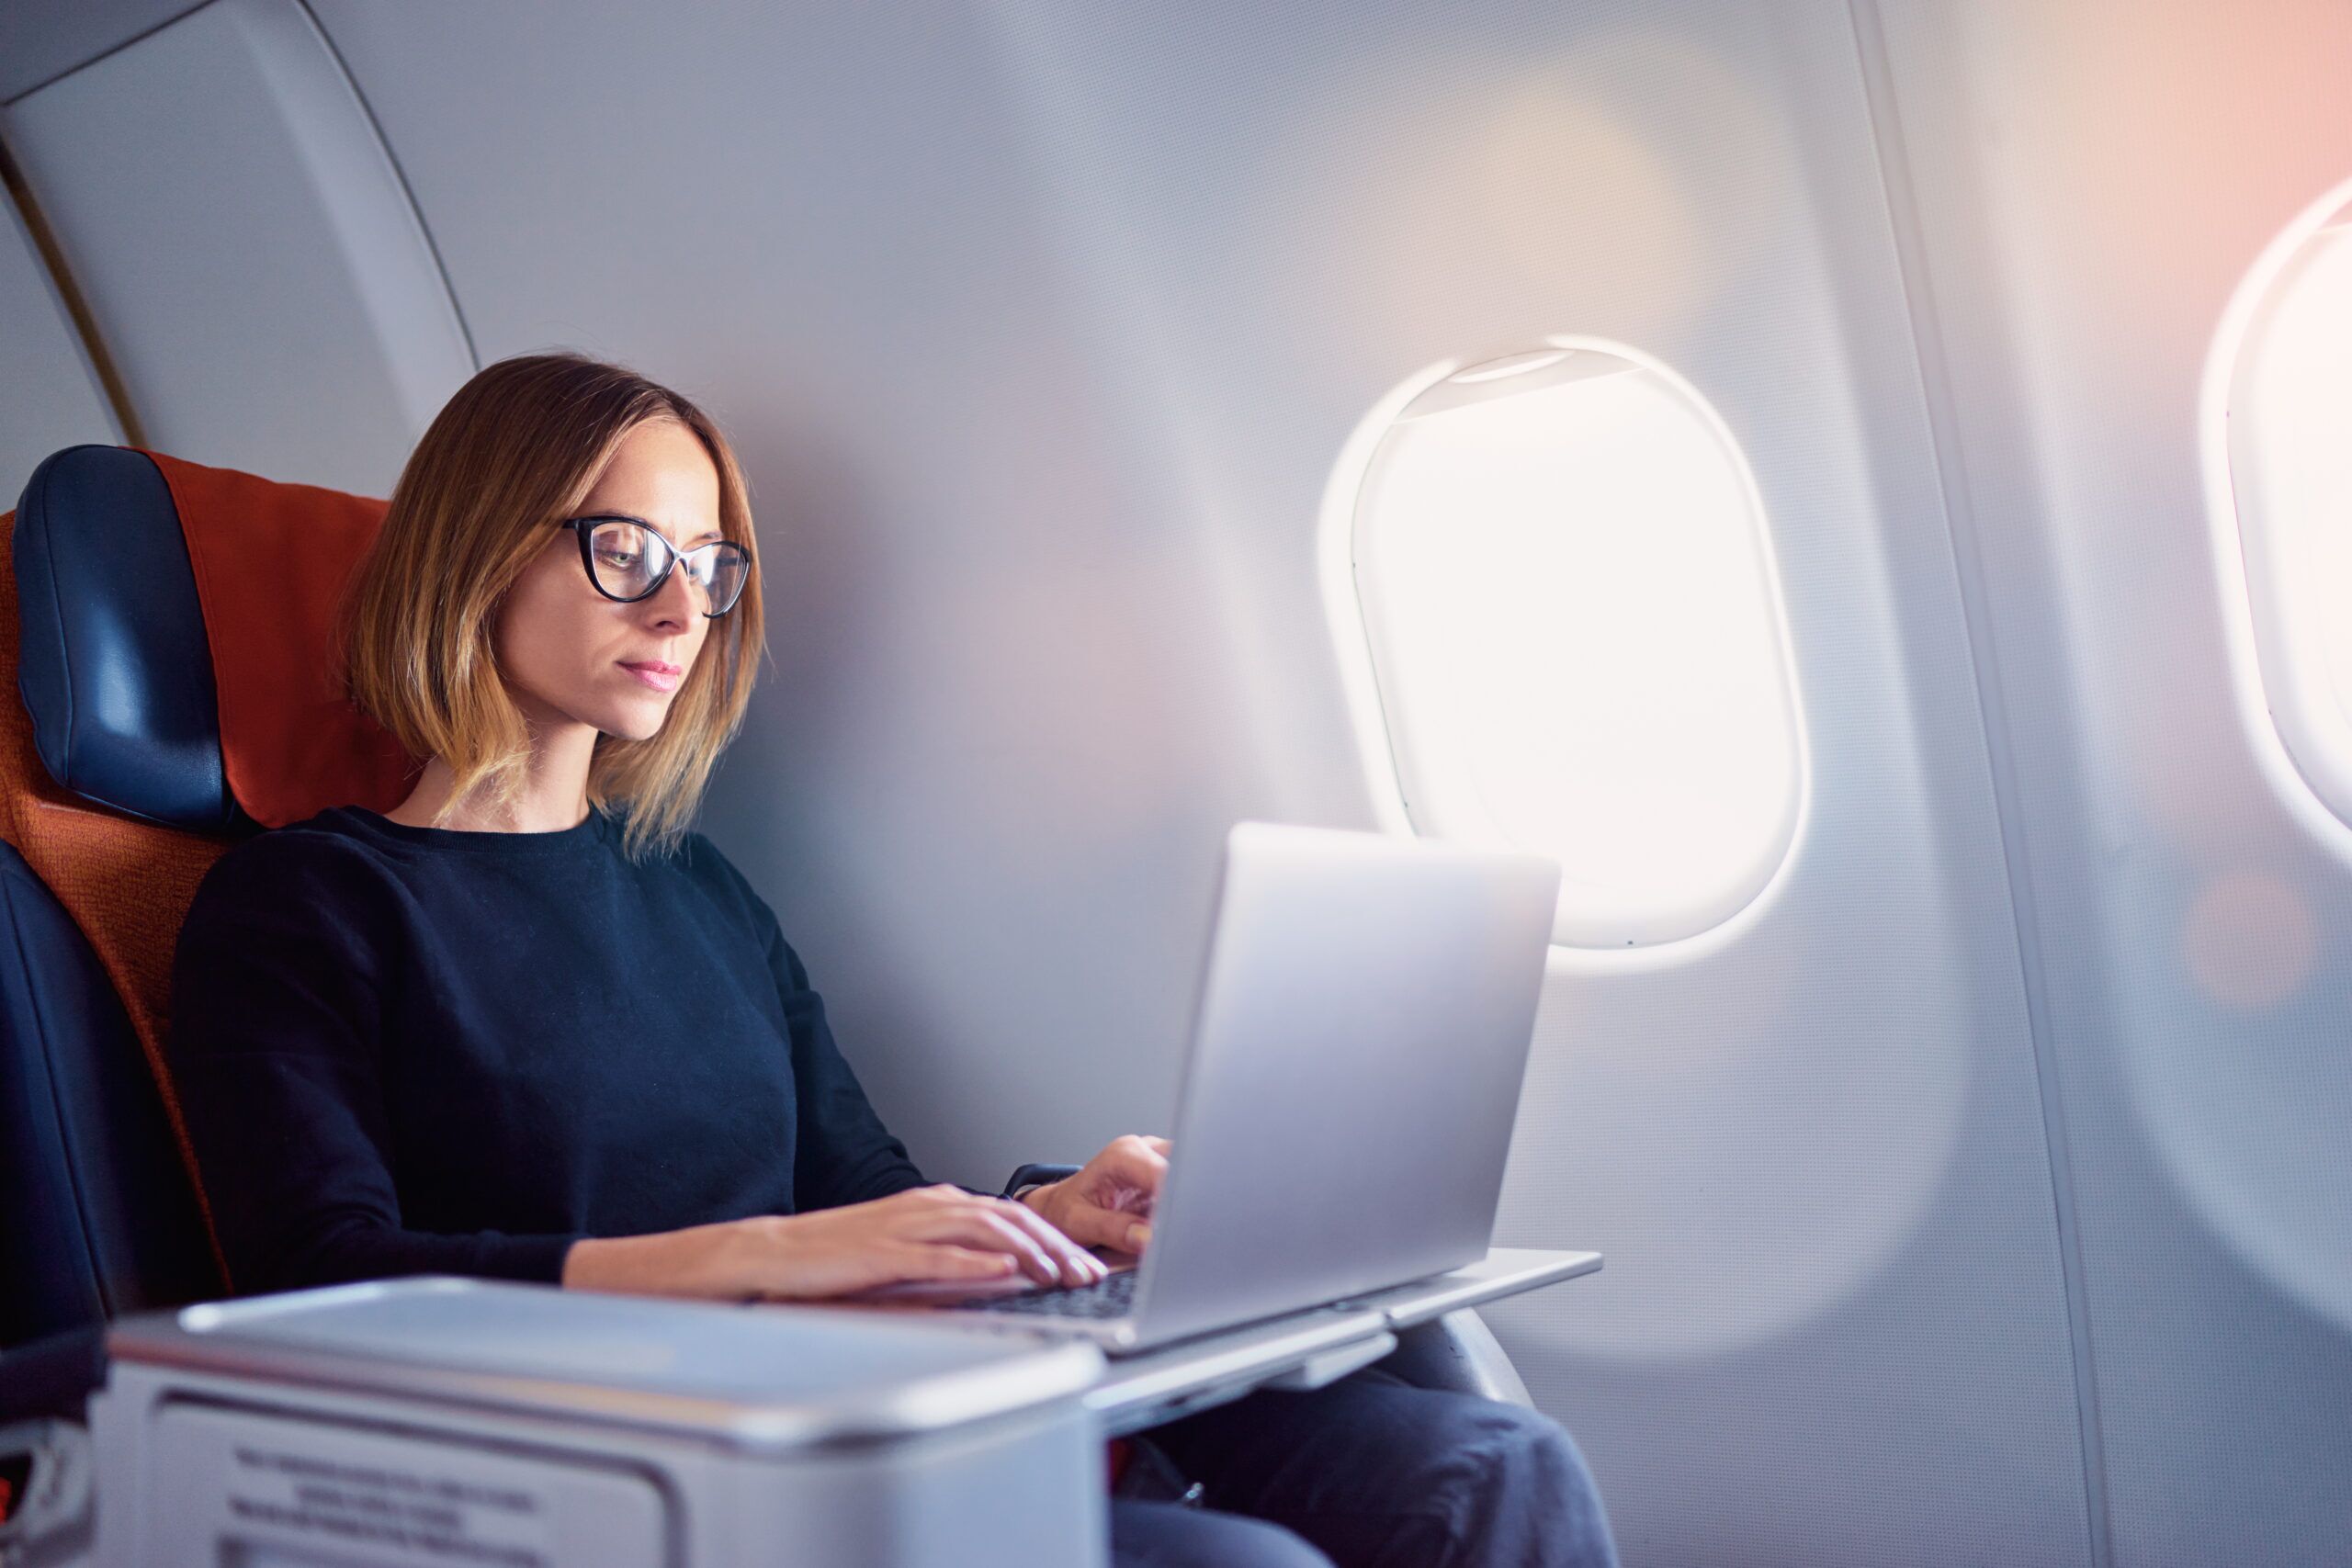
<point>588,1264</point>
<point>634,1264</point>
<point>702,1260</point>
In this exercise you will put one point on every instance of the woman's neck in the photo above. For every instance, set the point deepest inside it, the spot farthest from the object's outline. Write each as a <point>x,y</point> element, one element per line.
<point>554,795</point>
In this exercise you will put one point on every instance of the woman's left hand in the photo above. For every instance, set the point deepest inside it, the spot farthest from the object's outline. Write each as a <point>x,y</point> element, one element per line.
<point>1109,1202</point>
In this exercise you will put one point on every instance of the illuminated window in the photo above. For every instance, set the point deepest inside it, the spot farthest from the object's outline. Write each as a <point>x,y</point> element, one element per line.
<point>1558,611</point>
<point>2283,374</point>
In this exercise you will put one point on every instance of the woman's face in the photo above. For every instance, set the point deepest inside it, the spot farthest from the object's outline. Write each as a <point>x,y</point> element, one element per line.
<point>568,654</point>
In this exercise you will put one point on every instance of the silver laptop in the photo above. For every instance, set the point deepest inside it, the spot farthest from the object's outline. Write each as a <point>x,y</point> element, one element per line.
<point>1358,1045</point>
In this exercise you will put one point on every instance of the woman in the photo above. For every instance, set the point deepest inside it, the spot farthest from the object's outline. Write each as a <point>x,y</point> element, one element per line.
<point>526,1025</point>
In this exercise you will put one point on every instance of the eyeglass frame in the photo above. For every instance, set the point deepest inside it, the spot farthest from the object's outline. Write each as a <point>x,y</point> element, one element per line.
<point>588,559</point>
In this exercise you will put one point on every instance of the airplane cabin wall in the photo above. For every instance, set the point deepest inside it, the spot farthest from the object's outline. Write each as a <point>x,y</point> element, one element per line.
<point>2091,184</point>
<point>1040,326</point>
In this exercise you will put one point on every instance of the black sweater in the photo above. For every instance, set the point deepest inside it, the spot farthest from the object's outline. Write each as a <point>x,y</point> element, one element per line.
<point>407,1050</point>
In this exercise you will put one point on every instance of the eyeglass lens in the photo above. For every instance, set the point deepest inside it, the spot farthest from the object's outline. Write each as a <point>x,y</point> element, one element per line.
<point>630,559</point>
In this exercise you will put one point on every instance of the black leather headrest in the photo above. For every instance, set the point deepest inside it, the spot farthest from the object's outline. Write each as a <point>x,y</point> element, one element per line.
<point>112,657</point>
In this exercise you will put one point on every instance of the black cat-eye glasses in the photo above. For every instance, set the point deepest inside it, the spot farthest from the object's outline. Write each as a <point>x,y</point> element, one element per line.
<point>628,558</point>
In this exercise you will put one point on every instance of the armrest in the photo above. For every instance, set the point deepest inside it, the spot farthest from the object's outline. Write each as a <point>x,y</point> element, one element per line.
<point>1457,1351</point>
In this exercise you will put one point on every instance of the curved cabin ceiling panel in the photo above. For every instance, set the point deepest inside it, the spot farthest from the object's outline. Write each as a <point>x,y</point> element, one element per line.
<point>245,247</point>
<point>40,43</point>
<point>50,395</point>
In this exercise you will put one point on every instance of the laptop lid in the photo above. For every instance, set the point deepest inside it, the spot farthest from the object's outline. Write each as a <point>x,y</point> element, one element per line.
<point>1359,1042</point>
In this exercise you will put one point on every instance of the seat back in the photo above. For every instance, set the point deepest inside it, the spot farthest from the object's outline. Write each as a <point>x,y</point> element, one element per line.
<point>118,792</point>
<point>100,1215</point>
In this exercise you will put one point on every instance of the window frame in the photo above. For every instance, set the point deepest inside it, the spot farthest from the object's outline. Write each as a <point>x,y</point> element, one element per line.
<point>2318,796</point>
<point>1378,741</point>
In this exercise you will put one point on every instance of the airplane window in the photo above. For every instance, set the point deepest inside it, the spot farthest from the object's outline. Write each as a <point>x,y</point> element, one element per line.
<point>2286,425</point>
<point>1556,599</point>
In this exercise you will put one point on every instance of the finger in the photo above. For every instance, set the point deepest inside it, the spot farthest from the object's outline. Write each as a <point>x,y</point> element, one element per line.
<point>978,1224</point>
<point>1078,1266</point>
<point>1095,1226</point>
<point>1136,1163</point>
<point>1137,1143</point>
<point>1050,1257</point>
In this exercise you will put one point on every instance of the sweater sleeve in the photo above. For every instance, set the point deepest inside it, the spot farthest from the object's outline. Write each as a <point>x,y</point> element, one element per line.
<point>278,1007</point>
<point>841,1153</point>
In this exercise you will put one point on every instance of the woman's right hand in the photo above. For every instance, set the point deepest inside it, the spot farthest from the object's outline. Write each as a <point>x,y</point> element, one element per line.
<point>926,1233</point>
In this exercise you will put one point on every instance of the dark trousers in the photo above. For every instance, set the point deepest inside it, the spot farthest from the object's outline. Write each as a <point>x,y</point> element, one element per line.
<point>1369,1472</point>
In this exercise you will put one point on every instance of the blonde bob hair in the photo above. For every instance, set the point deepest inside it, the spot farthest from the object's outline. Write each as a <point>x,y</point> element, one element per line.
<point>513,453</point>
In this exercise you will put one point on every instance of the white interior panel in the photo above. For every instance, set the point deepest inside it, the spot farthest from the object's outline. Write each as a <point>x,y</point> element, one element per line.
<point>1042,327</point>
<point>244,241</point>
<point>50,397</point>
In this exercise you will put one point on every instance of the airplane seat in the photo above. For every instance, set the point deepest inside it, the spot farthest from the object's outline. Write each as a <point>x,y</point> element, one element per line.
<point>99,1211</point>
<point>119,785</point>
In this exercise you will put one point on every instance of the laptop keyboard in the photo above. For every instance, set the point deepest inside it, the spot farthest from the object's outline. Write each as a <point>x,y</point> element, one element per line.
<point>1114,1297</point>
